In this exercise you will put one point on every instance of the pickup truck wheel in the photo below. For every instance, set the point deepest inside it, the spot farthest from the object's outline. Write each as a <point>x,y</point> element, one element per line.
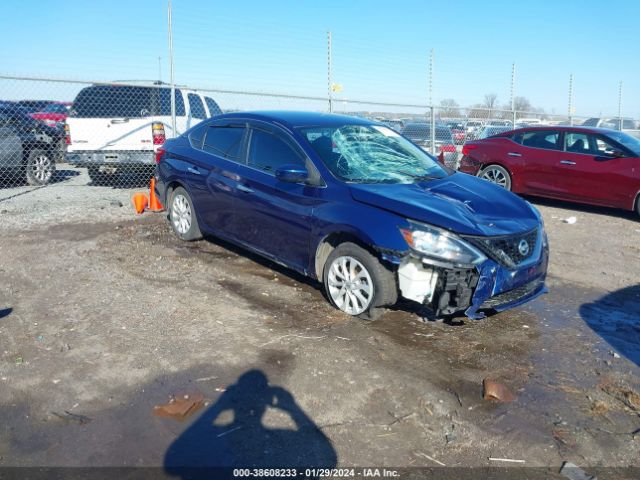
<point>99,177</point>
<point>40,167</point>
<point>496,174</point>
<point>357,283</point>
<point>183,217</point>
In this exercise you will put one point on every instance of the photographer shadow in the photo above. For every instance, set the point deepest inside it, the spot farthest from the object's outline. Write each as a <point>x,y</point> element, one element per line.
<point>231,433</point>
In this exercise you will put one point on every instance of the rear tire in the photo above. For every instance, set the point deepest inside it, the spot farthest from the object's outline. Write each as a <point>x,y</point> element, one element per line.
<point>496,174</point>
<point>638,205</point>
<point>182,216</point>
<point>101,178</point>
<point>357,283</point>
<point>39,168</point>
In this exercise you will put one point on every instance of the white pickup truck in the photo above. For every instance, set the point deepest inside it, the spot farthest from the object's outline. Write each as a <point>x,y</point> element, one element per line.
<point>116,129</point>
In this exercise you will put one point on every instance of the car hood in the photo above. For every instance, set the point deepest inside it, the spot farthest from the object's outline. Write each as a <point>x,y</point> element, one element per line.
<point>460,203</point>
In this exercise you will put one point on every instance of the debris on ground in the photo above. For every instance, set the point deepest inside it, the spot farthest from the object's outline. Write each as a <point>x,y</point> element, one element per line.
<point>623,394</point>
<point>180,407</point>
<point>19,360</point>
<point>614,354</point>
<point>570,220</point>
<point>493,390</point>
<point>420,454</point>
<point>69,417</point>
<point>506,460</point>
<point>573,472</point>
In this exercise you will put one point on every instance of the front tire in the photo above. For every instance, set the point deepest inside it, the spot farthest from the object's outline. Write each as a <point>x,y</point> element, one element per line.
<point>183,216</point>
<point>357,283</point>
<point>39,168</point>
<point>496,174</point>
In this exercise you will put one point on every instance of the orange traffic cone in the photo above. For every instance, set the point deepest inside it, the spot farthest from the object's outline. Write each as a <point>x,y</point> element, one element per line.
<point>154,203</point>
<point>140,202</point>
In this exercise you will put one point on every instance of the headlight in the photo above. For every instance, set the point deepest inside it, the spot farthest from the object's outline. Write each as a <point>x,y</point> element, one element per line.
<point>441,245</point>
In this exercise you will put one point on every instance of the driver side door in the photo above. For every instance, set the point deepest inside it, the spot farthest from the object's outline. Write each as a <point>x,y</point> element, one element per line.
<point>276,216</point>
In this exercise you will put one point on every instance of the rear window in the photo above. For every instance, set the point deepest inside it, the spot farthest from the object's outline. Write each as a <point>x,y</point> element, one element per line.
<point>546,139</point>
<point>196,106</point>
<point>107,101</point>
<point>224,141</point>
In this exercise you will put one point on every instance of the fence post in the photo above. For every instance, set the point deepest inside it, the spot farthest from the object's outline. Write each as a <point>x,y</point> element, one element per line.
<point>620,106</point>
<point>571,100</point>
<point>329,73</point>
<point>433,130</point>
<point>173,86</point>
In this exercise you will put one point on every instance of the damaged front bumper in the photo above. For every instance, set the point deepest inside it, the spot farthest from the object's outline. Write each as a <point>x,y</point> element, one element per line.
<point>445,290</point>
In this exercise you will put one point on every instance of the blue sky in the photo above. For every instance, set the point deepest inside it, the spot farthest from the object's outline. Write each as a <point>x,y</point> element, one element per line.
<point>380,48</point>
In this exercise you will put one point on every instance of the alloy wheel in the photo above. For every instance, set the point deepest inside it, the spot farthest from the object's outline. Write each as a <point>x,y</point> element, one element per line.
<point>496,175</point>
<point>41,168</point>
<point>350,285</point>
<point>181,214</point>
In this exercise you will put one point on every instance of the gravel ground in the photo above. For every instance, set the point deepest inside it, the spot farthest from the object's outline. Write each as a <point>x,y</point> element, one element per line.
<point>105,314</point>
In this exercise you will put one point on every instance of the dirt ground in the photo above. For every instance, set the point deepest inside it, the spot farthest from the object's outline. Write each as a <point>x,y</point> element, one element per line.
<point>105,316</point>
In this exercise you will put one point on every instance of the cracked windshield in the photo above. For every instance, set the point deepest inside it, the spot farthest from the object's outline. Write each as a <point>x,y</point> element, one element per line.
<point>371,154</point>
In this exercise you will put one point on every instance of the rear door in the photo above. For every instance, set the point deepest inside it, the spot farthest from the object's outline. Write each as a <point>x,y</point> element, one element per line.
<point>212,174</point>
<point>540,153</point>
<point>276,216</point>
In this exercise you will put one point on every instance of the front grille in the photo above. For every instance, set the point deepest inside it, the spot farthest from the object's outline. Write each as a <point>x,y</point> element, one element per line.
<point>506,249</point>
<point>512,295</point>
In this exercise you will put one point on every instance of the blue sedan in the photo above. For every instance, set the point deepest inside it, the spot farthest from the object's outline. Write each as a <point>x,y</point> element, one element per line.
<point>358,207</point>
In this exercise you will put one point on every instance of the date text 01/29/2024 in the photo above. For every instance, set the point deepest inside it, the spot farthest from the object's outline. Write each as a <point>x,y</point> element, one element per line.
<point>315,473</point>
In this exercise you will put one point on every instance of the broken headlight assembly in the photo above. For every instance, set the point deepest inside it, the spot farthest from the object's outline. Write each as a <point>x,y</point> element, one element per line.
<point>440,247</point>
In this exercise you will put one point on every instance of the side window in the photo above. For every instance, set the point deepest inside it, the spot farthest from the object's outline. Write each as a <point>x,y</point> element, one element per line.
<point>578,142</point>
<point>603,147</point>
<point>546,139</point>
<point>165,102</point>
<point>196,106</point>
<point>196,137</point>
<point>224,141</point>
<point>213,107</point>
<point>268,152</point>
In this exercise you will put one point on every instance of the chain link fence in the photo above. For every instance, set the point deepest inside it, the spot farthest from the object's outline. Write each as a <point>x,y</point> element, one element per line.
<point>55,129</point>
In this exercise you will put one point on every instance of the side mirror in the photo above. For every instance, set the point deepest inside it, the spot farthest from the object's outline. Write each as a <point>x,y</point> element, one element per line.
<point>610,154</point>
<point>292,174</point>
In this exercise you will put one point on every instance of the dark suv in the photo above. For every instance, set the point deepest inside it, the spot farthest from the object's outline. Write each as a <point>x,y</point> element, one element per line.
<point>28,148</point>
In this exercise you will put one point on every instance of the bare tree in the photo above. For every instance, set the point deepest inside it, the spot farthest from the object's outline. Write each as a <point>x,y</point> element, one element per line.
<point>490,102</point>
<point>449,108</point>
<point>522,104</point>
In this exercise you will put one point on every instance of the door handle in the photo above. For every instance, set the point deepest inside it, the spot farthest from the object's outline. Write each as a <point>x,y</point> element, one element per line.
<point>567,162</point>
<point>195,171</point>
<point>514,154</point>
<point>244,189</point>
<point>118,120</point>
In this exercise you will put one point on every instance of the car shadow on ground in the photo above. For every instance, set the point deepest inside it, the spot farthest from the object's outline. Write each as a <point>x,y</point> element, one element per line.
<point>265,262</point>
<point>232,433</point>
<point>18,179</point>
<point>616,318</point>
<point>579,207</point>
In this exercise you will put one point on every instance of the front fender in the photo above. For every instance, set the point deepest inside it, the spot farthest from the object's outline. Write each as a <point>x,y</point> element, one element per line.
<point>376,228</point>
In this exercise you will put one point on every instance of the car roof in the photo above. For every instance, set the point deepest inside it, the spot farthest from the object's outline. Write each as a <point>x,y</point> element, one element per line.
<point>295,119</point>
<point>566,128</point>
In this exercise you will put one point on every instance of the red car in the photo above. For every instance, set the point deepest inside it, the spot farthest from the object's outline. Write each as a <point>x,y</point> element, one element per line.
<point>596,166</point>
<point>54,114</point>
